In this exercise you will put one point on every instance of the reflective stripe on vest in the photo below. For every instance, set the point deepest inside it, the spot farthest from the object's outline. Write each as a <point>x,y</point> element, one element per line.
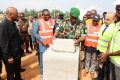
<point>47,36</point>
<point>91,40</point>
<point>104,40</point>
<point>92,36</point>
<point>102,46</point>
<point>46,31</point>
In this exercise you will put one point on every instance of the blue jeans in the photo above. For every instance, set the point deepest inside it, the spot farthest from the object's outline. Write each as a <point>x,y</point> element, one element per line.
<point>41,62</point>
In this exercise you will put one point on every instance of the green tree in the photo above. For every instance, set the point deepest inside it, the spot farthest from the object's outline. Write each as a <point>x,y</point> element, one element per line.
<point>55,12</point>
<point>31,12</point>
<point>26,12</point>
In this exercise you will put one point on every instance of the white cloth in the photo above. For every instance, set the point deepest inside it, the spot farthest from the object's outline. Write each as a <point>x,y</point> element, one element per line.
<point>60,65</point>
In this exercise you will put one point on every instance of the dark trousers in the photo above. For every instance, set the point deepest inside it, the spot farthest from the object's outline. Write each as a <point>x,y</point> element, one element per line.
<point>13,69</point>
<point>104,71</point>
<point>114,72</point>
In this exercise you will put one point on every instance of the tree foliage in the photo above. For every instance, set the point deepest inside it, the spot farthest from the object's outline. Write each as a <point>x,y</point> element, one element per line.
<point>54,13</point>
<point>31,12</point>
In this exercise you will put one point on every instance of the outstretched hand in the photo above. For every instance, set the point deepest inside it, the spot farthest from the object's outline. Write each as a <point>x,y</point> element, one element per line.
<point>103,57</point>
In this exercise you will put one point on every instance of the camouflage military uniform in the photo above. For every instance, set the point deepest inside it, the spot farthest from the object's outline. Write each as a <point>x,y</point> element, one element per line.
<point>68,31</point>
<point>23,28</point>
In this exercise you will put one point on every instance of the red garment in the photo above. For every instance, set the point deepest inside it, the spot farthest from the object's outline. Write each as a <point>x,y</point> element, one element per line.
<point>46,30</point>
<point>92,36</point>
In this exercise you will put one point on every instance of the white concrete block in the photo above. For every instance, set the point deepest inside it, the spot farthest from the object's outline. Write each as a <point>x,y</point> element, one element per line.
<point>60,65</point>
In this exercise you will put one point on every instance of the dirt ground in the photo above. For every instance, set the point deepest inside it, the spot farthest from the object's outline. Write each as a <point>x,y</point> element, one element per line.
<point>30,63</point>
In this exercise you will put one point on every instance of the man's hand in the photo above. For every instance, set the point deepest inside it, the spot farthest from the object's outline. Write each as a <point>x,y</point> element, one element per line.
<point>45,44</point>
<point>103,57</point>
<point>11,60</point>
<point>76,42</point>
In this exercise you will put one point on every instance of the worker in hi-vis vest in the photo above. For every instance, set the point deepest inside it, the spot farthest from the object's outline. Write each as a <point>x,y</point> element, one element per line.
<point>43,32</point>
<point>105,36</point>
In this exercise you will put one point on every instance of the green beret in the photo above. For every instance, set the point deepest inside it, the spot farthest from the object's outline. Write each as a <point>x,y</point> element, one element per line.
<point>75,12</point>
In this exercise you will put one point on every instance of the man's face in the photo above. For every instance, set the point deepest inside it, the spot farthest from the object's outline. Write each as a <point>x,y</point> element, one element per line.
<point>22,16</point>
<point>88,16</point>
<point>109,19</point>
<point>46,15</point>
<point>31,19</point>
<point>118,10</point>
<point>73,20</point>
<point>14,15</point>
<point>93,13</point>
<point>95,22</point>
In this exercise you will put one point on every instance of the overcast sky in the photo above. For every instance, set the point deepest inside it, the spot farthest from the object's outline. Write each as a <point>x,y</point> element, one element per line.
<point>64,5</point>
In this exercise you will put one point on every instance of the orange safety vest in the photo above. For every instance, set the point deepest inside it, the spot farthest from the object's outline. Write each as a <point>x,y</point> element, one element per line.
<point>92,35</point>
<point>46,30</point>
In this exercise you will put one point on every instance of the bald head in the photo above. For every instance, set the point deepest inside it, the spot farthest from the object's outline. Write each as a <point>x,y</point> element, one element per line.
<point>12,13</point>
<point>109,18</point>
<point>10,10</point>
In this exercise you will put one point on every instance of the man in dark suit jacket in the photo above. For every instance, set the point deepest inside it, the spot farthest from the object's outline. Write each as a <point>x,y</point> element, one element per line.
<point>10,44</point>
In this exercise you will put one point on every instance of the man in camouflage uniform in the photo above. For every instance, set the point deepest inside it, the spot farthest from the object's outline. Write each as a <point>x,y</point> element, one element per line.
<point>71,29</point>
<point>23,28</point>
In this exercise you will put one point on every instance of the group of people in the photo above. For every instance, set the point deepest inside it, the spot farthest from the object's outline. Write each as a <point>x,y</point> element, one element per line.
<point>99,39</point>
<point>101,45</point>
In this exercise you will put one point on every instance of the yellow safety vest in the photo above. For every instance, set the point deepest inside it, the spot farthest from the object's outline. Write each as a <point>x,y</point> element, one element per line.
<point>115,45</point>
<point>105,38</point>
<point>88,21</point>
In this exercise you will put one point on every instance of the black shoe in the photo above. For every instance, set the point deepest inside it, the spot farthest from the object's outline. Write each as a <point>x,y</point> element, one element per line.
<point>22,70</point>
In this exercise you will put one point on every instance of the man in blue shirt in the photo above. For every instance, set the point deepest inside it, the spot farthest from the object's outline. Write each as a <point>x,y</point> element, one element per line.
<point>43,32</point>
